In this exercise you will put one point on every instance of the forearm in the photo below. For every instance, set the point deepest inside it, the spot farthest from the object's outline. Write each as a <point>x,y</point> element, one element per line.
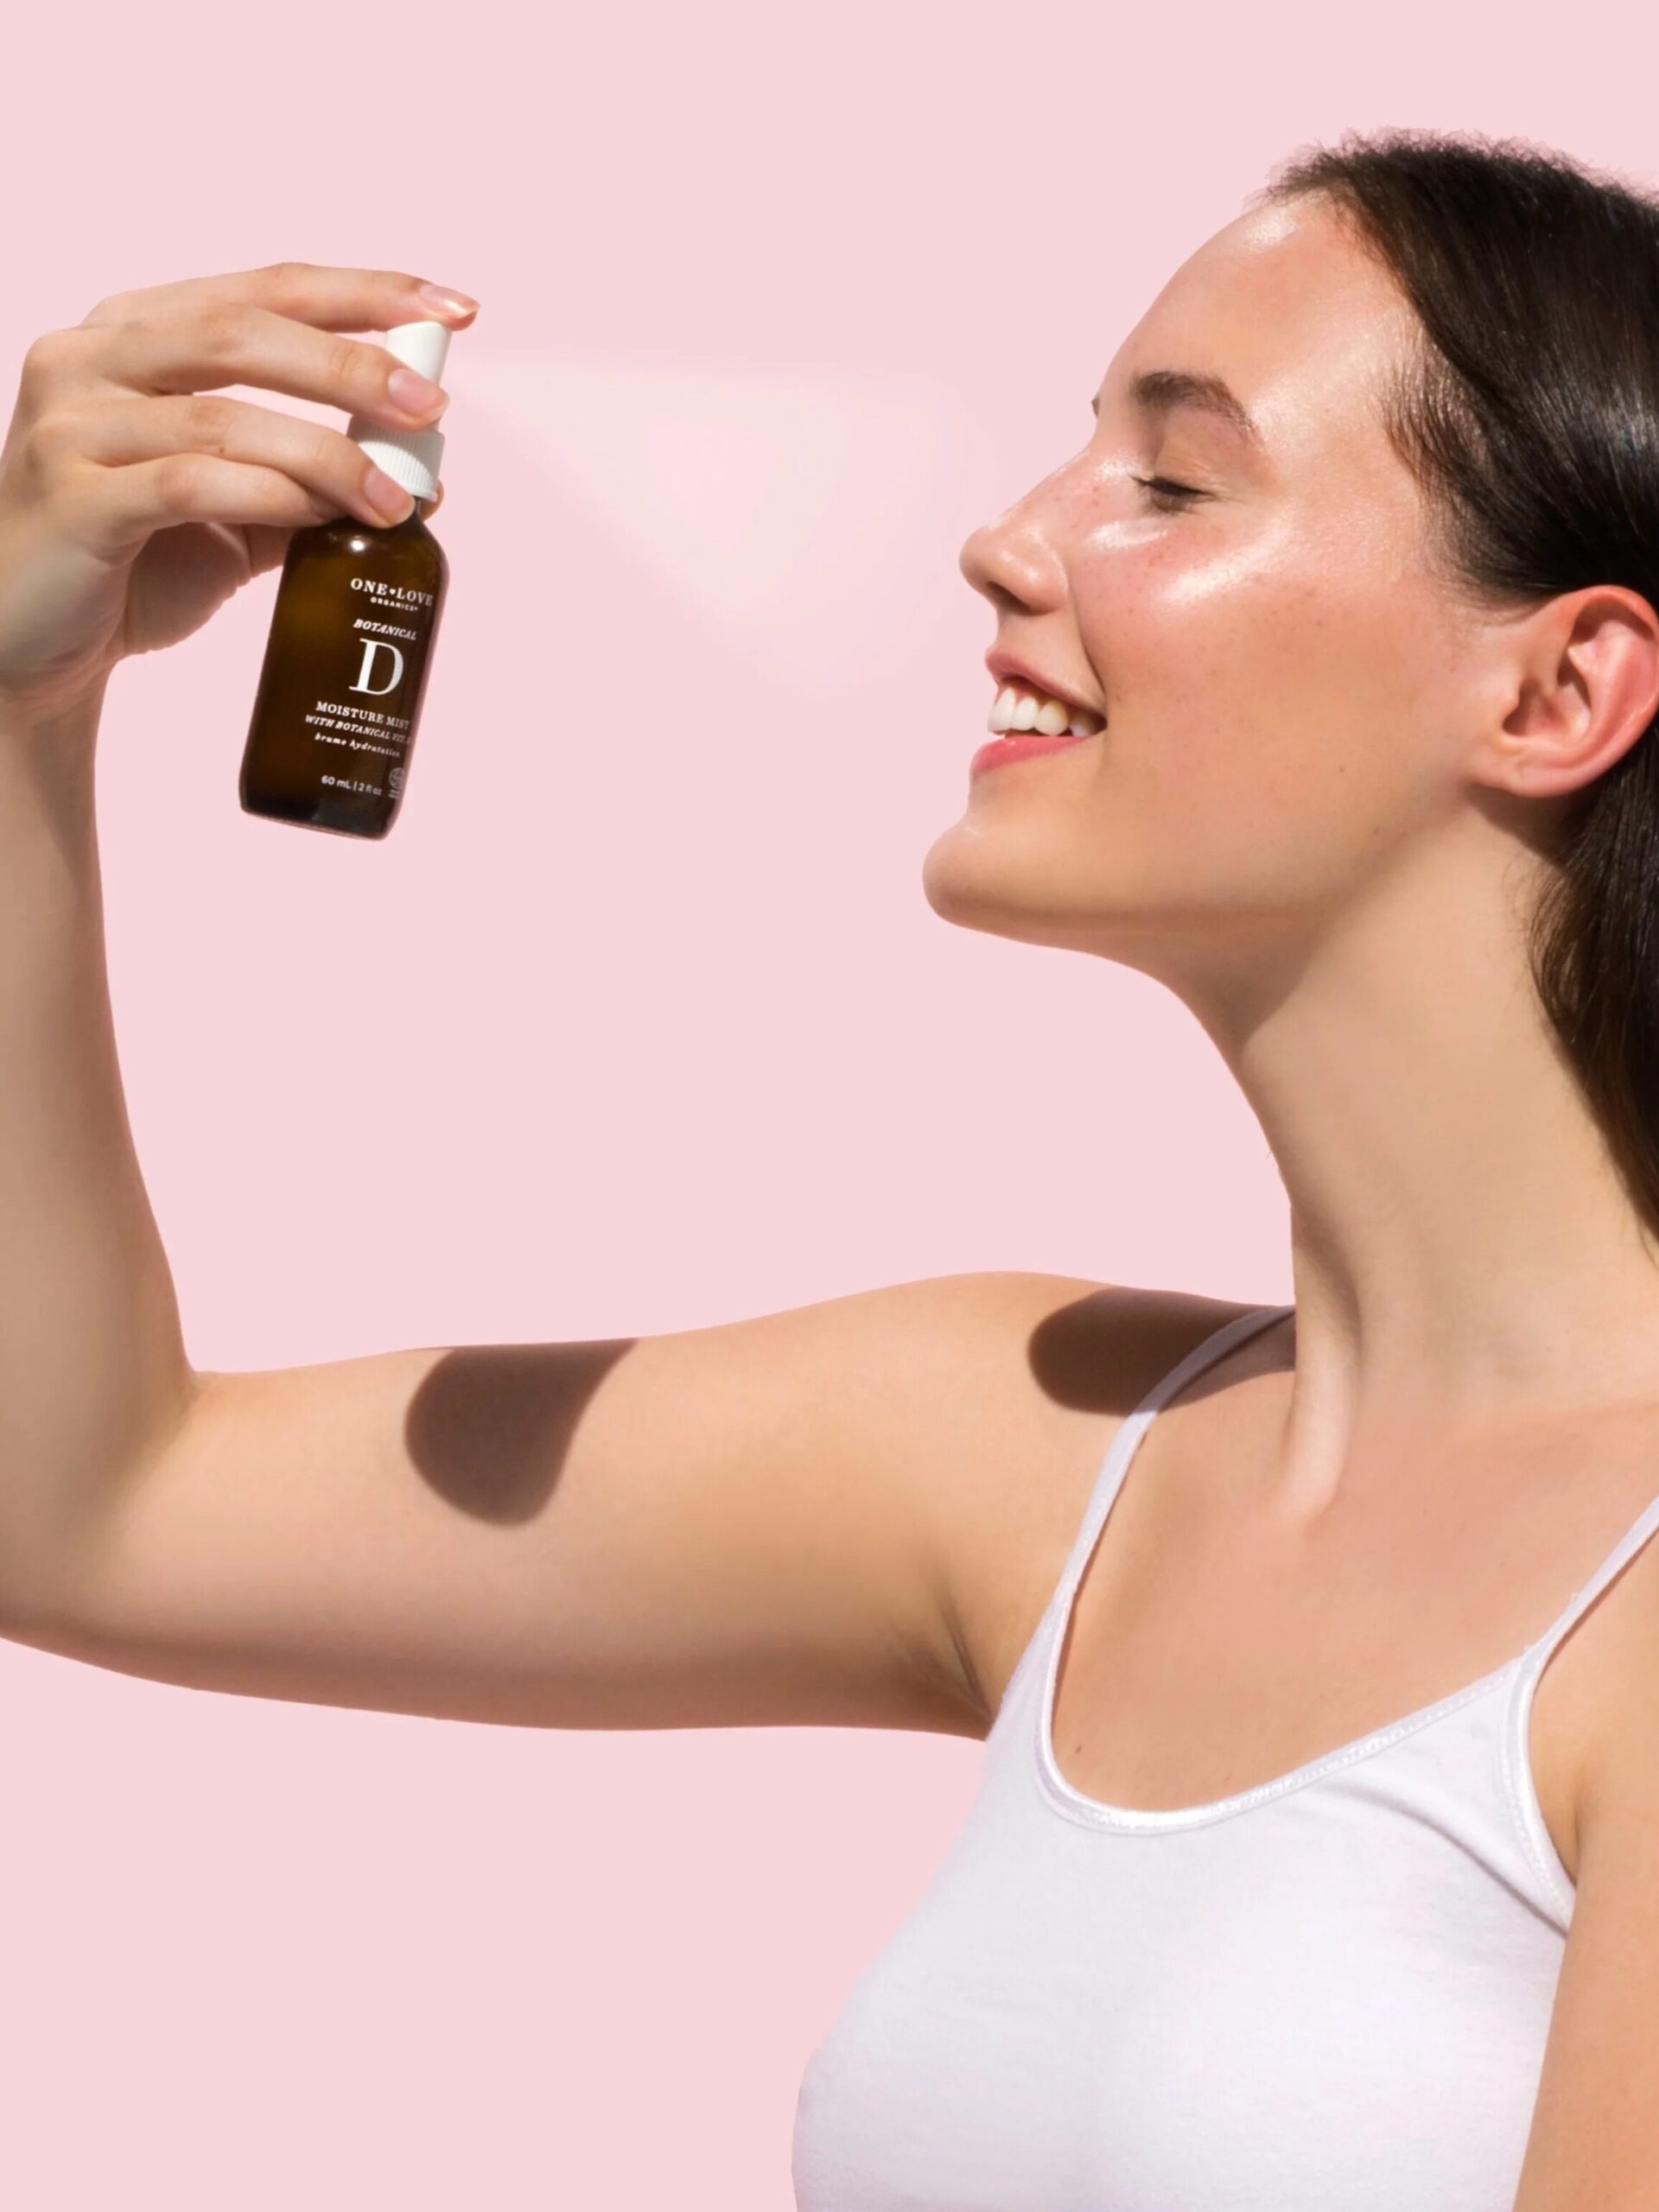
<point>92,1366</point>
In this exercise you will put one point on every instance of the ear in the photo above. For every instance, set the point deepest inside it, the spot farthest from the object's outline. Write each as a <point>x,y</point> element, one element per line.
<point>1584,686</point>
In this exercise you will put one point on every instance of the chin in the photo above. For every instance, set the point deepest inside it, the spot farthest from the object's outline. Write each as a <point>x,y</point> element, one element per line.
<point>986,879</point>
<point>970,879</point>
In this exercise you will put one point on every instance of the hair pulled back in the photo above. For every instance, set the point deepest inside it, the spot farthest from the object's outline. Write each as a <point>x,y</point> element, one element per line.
<point>1530,419</point>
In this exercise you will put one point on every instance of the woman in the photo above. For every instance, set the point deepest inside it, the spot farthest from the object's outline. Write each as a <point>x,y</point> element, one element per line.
<point>1312,1865</point>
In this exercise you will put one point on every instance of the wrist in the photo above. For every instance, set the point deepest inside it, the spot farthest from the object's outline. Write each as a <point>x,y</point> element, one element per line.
<point>48,773</point>
<point>61,717</point>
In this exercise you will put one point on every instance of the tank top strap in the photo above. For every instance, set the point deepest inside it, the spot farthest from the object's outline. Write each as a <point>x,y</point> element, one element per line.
<point>1028,1672</point>
<point>1586,1595</point>
<point>1116,1464</point>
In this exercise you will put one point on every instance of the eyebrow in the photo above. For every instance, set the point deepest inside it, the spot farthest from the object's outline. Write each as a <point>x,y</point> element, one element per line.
<point>1155,391</point>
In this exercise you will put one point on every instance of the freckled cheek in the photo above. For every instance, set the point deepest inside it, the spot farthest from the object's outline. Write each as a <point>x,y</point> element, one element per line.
<point>1234,687</point>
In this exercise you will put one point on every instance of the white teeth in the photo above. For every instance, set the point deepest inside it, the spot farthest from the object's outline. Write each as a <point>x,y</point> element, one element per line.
<point>1013,708</point>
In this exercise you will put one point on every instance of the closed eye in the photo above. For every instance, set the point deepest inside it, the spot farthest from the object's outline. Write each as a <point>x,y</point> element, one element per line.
<point>1160,489</point>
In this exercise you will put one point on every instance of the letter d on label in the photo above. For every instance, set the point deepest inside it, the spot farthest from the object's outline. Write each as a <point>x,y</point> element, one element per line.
<point>371,646</point>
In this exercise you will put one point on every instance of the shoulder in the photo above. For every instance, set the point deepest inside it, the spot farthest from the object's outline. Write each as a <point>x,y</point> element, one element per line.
<point>1608,1673</point>
<point>941,1436</point>
<point>1595,2135</point>
<point>1044,1369</point>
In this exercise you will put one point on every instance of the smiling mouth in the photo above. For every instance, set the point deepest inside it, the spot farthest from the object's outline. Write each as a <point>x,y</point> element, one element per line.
<point>1017,708</point>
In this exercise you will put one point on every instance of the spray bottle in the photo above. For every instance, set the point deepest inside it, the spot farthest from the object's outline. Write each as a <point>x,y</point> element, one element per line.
<point>351,639</point>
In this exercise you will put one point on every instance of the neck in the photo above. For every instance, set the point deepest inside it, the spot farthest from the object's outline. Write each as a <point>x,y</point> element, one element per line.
<point>1462,1244</point>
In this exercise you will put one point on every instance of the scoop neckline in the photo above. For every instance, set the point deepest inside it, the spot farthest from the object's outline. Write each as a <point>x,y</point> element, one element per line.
<point>1100,1812</point>
<point>1147,1818</point>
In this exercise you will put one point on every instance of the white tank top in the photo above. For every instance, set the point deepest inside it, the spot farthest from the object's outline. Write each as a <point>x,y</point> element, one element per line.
<point>1332,1990</point>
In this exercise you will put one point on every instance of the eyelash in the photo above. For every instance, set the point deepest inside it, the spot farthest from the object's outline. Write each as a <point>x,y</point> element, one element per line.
<point>1164,487</point>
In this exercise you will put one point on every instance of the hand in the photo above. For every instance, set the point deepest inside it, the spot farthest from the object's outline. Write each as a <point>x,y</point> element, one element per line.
<point>134,499</point>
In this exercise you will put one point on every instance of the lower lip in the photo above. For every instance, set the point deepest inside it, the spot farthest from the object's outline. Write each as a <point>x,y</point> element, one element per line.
<point>1019,745</point>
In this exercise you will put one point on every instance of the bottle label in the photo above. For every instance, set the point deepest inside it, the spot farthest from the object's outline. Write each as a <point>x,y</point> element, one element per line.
<point>340,693</point>
<point>366,719</point>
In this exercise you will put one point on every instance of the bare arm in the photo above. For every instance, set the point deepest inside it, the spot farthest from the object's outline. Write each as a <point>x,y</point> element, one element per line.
<point>771,1520</point>
<point>768,1521</point>
<point>134,499</point>
<point>92,1367</point>
<point>759,1521</point>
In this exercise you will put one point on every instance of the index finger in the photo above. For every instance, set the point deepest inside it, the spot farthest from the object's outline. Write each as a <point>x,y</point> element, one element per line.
<point>308,291</point>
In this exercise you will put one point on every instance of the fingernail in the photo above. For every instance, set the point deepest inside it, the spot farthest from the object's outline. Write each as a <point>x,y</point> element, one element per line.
<point>385,496</point>
<point>413,393</point>
<point>439,298</point>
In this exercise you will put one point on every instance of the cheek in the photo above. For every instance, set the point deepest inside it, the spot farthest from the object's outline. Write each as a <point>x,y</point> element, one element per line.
<point>1262,703</point>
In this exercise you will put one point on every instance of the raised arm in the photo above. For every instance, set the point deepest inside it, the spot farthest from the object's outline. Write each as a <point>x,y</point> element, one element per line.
<point>780,1519</point>
<point>134,499</point>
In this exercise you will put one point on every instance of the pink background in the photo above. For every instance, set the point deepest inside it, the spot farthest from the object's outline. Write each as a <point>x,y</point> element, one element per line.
<point>638,1018</point>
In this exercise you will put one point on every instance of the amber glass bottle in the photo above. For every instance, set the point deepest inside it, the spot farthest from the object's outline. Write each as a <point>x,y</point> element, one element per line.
<point>351,639</point>
<point>339,695</point>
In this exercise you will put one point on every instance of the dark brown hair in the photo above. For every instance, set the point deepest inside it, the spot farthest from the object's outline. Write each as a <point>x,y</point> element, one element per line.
<point>1531,420</point>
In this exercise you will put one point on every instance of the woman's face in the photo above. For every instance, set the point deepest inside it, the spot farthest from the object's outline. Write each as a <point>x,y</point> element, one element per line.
<point>1278,666</point>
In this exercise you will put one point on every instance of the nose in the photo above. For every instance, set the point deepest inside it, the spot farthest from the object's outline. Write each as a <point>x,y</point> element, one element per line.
<point>1013,564</point>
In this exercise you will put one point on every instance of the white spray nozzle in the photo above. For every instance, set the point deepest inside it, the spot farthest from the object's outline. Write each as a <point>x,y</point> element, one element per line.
<point>409,457</point>
<point>422,346</point>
